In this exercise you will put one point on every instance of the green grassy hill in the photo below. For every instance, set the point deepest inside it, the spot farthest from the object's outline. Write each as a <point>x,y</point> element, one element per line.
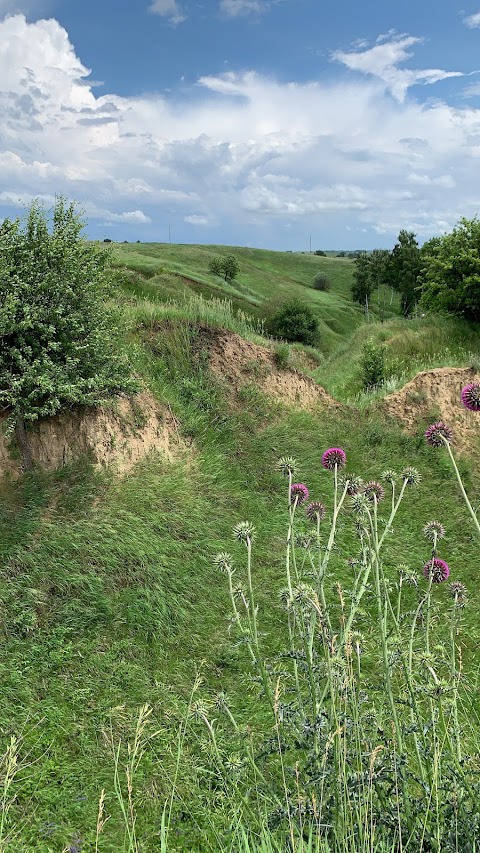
<point>109,598</point>
<point>163,271</point>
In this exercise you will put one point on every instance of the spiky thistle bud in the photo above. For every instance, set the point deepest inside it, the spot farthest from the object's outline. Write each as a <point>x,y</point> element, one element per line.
<point>411,476</point>
<point>244,532</point>
<point>223,561</point>
<point>433,531</point>
<point>287,466</point>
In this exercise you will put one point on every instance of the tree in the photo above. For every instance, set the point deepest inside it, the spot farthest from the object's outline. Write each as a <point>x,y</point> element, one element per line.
<point>227,266</point>
<point>363,284</point>
<point>294,321</point>
<point>450,279</point>
<point>58,337</point>
<point>404,269</point>
<point>320,253</point>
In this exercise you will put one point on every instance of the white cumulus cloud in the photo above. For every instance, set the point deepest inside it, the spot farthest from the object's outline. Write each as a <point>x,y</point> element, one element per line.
<point>383,59</point>
<point>472,21</point>
<point>244,156</point>
<point>239,8</point>
<point>170,9</point>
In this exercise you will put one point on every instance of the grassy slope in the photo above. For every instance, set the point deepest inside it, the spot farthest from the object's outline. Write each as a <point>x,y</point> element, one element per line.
<point>162,271</point>
<point>109,598</point>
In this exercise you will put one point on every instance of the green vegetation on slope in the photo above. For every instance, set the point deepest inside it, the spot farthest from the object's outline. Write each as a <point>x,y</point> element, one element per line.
<point>110,599</point>
<point>266,279</point>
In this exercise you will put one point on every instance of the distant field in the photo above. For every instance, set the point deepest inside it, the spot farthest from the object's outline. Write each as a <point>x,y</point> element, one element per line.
<point>160,271</point>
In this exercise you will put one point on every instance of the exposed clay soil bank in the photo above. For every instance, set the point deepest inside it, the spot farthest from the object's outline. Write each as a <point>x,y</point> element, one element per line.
<point>118,436</point>
<point>437,393</point>
<point>235,361</point>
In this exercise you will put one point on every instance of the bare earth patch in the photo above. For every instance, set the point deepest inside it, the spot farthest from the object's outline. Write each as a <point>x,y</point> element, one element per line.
<point>236,361</point>
<point>117,437</point>
<point>438,391</point>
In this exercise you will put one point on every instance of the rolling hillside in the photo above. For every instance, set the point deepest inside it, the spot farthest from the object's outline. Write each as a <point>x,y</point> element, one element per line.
<point>109,596</point>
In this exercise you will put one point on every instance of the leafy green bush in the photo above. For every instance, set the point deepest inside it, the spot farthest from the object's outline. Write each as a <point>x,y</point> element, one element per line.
<point>321,282</point>
<point>294,321</point>
<point>373,364</point>
<point>59,338</point>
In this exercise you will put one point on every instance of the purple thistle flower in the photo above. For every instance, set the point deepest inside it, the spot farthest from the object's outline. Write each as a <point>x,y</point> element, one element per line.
<point>437,569</point>
<point>374,490</point>
<point>299,492</point>
<point>435,434</point>
<point>334,458</point>
<point>314,511</point>
<point>471,396</point>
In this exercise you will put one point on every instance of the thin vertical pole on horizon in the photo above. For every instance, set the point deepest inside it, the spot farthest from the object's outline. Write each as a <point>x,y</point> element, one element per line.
<point>169,236</point>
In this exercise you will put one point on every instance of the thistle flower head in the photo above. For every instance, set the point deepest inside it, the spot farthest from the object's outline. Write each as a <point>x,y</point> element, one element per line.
<point>303,540</point>
<point>411,475</point>
<point>285,598</point>
<point>221,701</point>
<point>407,575</point>
<point>373,491</point>
<point>352,483</point>
<point>433,531</point>
<point>436,569</point>
<point>303,594</point>
<point>299,493</point>
<point>244,532</point>
<point>390,476</point>
<point>239,592</point>
<point>437,433</point>
<point>359,503</point>
<point>458,591</point>
<point>471,396</point>
<point>287,466</point>
<point>223,561</point>
<point>315,511</point>
<point>333,458</point>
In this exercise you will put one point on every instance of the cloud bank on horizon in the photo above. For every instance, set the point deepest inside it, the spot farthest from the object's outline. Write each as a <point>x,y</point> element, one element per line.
<point>240,157</point>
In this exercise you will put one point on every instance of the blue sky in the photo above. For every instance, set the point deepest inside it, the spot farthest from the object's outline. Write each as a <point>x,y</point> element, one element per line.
<point>243,122</point>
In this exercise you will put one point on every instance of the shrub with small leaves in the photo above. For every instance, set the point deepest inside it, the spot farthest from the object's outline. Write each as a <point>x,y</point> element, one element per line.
<point>373,364</point>
<point>321,282</point>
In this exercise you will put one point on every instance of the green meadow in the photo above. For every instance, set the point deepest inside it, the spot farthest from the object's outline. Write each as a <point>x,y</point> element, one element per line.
<point>110,600</point>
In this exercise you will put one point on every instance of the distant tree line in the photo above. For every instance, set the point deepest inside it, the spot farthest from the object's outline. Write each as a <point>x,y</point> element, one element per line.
<point>442,275</point>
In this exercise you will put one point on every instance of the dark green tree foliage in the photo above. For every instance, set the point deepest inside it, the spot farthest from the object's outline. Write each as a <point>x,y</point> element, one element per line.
<point>215,265</point>
<point>404,268</point>
<point>363,283</point>
<point>451,271</point>
<point>294,321</point>
<point>58,337</point>
<point>227,266</point>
